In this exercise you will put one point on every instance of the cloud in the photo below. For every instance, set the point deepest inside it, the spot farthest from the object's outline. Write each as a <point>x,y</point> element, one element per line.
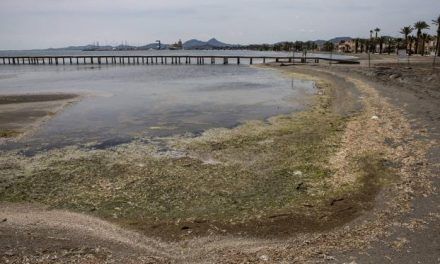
<point>54,23</point>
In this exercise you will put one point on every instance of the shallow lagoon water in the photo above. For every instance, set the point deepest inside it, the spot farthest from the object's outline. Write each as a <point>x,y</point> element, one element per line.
<point>133,101</point>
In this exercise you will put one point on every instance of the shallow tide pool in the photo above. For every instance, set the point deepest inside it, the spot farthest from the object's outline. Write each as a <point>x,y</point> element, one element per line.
<point>125,102</point>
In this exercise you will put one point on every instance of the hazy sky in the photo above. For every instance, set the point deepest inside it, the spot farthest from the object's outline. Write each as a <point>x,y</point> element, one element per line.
<point>26,24</point>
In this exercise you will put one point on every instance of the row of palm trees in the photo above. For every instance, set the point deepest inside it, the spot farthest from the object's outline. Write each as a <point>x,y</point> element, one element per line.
<point>421,38</point>
<point>414,44</point>
<point>381,44</point>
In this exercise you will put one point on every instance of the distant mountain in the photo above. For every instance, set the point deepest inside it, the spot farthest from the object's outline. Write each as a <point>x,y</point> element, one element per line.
<point>320,42</point>
<point>339,39</point>
<point>194,44</point>
<point>210,44</point>
<point>218,44</point>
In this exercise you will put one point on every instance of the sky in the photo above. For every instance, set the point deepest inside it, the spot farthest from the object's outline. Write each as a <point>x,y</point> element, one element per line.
<point>32,24</point>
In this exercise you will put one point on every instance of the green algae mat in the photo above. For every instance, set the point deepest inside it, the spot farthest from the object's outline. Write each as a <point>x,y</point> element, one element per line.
<point>262,178</point>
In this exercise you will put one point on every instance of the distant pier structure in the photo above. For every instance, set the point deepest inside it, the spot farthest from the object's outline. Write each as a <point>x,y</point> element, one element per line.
<point>169,59</point>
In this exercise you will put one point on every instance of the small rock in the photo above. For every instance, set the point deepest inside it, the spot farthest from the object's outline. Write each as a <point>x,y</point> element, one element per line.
<point>4,220</point>
<point>375,117</point>
<point>264,258</point>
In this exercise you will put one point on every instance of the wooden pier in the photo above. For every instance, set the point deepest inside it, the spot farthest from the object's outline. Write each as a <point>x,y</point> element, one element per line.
<point>154,60</point>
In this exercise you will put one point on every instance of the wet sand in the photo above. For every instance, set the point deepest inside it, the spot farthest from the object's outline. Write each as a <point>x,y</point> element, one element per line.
<point>22,114</point>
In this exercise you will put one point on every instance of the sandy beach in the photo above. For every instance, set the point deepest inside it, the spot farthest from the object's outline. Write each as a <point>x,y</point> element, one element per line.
<point>367,195</point>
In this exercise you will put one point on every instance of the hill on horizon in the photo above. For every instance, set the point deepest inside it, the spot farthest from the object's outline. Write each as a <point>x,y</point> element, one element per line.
<point>198,44</point>
<point>212,43</point>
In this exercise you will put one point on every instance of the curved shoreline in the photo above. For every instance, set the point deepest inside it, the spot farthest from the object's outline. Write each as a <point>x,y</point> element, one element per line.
<point>346,236</point>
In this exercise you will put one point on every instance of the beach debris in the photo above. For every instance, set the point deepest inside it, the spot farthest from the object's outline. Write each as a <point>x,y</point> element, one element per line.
<point>334,201</point>
<point>278,215</point>
<point>375,117</point>
<point>264,258</point>
<point>297,173</point>
<point>211,161</point>
<point>327,257</point>
<point>395,76</point>
<point>4,220</point>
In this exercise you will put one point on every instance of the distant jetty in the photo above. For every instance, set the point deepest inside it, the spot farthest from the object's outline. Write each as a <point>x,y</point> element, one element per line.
<point>171,59</point>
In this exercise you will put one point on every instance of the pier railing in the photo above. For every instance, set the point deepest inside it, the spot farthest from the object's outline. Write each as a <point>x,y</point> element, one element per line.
<point>153,60</point>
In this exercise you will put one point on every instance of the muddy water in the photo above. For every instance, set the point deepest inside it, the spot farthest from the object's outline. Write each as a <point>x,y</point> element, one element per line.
<point>126,102</point>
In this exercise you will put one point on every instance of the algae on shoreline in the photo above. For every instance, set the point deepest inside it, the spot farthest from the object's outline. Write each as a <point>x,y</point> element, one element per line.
<point>235,179</point>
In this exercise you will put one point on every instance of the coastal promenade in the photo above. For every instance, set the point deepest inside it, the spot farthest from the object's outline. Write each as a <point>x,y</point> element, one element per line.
<point>173,59</point>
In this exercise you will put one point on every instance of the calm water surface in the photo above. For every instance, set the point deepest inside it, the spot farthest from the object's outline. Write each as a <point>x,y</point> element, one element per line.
<point>132,101</point>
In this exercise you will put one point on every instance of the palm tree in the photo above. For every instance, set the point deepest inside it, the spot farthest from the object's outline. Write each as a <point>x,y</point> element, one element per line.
<point>356,45</point>
<point>366,43</point>
<point>420,26</point>
<point>362,44</point>
<point>398,44</point>
<point>382,40</point>
<point>411,40</point>
<point>377,30</point>
<point>406,31</point>
<point>425,38</point>
<point>370,43</point>
<point>328,46</point>
<point>391,42</point>
<point>437,22</point>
